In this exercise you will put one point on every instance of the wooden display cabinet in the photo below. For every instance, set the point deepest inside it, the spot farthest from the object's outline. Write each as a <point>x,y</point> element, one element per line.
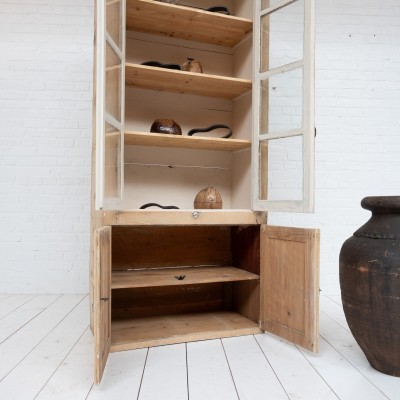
<point>169,276</point>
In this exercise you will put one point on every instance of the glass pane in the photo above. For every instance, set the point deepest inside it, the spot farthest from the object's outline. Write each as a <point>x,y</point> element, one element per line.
<point>283,159</point>
<point>113,21</point>
<point>112,162</point>
<point>113,83</point>
<point>282,36</point>
<point>282,102</point>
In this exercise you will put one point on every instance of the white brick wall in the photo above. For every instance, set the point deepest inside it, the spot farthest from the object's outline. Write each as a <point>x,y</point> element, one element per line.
<point>45,132</point>
<point>45,144</point>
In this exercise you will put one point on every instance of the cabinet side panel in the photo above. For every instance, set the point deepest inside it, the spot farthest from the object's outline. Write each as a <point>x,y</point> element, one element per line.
<point>289,284</point>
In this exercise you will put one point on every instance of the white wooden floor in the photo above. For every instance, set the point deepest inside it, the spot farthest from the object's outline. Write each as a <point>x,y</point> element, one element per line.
<point>46,353</point>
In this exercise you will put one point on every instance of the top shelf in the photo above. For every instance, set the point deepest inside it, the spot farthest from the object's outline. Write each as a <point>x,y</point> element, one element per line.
<point>188,23</point>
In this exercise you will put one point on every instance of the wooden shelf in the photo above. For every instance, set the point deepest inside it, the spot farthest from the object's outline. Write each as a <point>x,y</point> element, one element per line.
<point>187,142</point>
<point>185,23</point>
<point>167,276</point>
<point>162,79</point>
<point>129,334</point>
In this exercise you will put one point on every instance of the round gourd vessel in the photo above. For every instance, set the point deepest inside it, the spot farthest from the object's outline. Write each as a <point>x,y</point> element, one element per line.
<point>208,198</point>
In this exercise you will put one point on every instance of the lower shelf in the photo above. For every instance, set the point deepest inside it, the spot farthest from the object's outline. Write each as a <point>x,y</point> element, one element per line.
<point>129,334</point>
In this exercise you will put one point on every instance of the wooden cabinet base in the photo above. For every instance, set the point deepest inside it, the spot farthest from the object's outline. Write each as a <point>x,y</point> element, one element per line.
<point>170,329</point>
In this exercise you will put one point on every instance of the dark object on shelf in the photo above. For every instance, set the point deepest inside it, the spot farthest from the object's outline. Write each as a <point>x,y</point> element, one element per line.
<point>167,126</point>
<point>211,128</point>
<point>208,198</point>
<point>169,1</point>
<point>218,9</point>
<point>370,284</point>
<point>180,277</point>
<point>191,65</point>
<point>147,205</point>
<point>214,9</point>
<point>159,64</point>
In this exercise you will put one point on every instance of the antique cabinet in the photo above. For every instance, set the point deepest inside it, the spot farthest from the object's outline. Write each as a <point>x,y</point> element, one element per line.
<point>169,276</point>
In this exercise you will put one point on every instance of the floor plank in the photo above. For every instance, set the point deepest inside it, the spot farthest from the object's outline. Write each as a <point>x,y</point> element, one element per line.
<point>347,382</point>
<point>165,374</point>
<point>22,315</point>
<point>36,368</point>
<point>19,345</point>
<point>122,376</point>
<point>48,354</point>
<point>344,343</point>
<point>251,371</point>
<point>334,310</point>
<point>209,376</point>
<point>297,376</point>
<point>73,378</point>
<point>4,296</point>
<point>11,303</point>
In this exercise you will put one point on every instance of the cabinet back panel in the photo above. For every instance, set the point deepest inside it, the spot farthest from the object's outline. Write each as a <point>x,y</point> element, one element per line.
<point>140,49</point>
<point>142,107</point>
<point>169,246</point>
<point>146,302</point>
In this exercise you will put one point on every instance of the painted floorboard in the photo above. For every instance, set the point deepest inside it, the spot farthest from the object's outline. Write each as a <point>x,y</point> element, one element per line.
<point>122,376</point>
<point>13,302</point>
<point>330,307</point>
<point>36,368</point>
<point>298,377</point>
<point>165,374</point>
<point>343,341</point>
<point>347,382</point>
<point>19,345</point>
<point>209,376</point>
<point>22,315</point>
<point>251,371</point>
<point>73,378</point>
<point>49,355</point>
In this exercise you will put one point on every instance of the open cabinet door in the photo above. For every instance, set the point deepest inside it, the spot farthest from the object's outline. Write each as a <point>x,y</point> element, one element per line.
<point>102,300</point>
<point>283,106</point>
<point>289,284</point>
<point>110,100</point>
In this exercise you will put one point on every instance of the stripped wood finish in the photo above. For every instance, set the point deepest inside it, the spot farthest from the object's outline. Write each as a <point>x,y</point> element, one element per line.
<point>178,276</point>
<point>170,329</point>
<point>187,142</point>
<point>188,23</point>
<point>289,287</point>
<point>183,217</point>
<point>143,76</point>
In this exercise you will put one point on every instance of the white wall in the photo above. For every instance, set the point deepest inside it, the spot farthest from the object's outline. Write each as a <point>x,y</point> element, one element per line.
<point>45,134</point>
<point>45,144</point>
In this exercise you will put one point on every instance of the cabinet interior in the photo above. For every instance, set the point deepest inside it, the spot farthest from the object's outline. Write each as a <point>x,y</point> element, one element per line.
<point>170,283</point>
<point>174,171</point>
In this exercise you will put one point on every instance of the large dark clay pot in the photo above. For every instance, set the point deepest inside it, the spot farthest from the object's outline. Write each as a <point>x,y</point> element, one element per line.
<point>370,284</point>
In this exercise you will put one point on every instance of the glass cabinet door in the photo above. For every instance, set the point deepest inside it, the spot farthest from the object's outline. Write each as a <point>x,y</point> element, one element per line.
<point>110,94</point>
<point>283,97</point>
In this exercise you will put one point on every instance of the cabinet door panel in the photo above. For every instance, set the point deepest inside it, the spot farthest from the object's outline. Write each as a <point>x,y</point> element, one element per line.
<point>110,99</point>
<point>283,111</point>
<point>102,300</point>
<point>290,284</point>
